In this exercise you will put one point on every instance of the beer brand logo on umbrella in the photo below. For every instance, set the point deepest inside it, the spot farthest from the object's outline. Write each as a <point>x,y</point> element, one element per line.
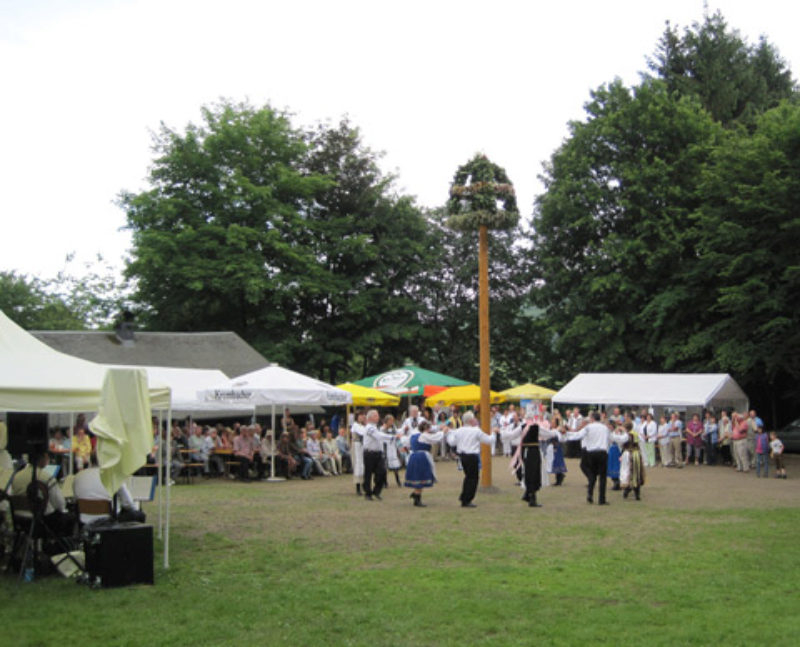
<point>393,380</point>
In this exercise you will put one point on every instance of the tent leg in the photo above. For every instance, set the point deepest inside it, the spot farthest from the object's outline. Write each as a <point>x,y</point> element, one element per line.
<point>272,478</point>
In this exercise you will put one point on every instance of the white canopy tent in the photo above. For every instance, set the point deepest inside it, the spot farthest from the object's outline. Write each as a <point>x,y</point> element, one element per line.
<point>37,378</point>
<point>673,390</point>
<point>274,386</point>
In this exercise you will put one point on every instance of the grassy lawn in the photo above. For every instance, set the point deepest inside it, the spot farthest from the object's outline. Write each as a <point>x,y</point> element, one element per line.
<point>708,557</point>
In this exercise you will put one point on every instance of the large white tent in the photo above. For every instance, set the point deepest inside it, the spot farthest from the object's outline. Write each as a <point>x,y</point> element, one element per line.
<point>35,377</point>
<point>674,390</point>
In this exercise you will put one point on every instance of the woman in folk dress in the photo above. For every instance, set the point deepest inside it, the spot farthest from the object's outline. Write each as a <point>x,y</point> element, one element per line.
<point>420,470</point>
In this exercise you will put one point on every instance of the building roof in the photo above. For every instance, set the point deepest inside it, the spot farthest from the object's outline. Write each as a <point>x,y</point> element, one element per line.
<point>225,351</point>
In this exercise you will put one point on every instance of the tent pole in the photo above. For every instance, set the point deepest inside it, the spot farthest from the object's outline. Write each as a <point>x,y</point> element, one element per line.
<point>71,427</point>
<point>272,478</point>
<point>169,488</point>
<point>160,470</point>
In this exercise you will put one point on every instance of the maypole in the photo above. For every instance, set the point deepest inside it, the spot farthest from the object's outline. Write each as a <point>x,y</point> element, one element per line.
<point>482,198</point>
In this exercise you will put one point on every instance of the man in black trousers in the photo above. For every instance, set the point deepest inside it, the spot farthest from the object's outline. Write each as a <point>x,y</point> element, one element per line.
<point>374,463</point>
<point>467,441</point>
<point>596,438</point>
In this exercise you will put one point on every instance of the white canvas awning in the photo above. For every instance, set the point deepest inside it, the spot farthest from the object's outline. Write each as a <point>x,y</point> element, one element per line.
<point>682,390</point>
<point>34,377</point>
<point>275,385</point>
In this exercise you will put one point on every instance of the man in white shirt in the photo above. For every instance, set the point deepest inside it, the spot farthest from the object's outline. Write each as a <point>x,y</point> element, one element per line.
<point>597,438</point>
<point>649,434</point>
<point>374,464</point>
<point>88,485</point>
<point>467,442</point>
<point>412,422</point>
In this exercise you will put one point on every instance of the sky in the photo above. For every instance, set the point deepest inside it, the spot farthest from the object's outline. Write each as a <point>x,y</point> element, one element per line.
<point>86,83</point>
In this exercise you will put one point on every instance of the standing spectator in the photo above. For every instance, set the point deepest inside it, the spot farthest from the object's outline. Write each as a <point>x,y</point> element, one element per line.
<point>726,438</point>
<point>711,438</point>
<point>739,435</point>
<point>762,452</point>
<point>694,439</point>
<point>776,450</point>
<point>650,436</point>
<point>664,441</point>
<point>754,423</point>
<point>675,440</point>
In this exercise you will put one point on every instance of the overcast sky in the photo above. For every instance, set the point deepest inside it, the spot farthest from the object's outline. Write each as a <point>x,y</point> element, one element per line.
<point>85,82</point>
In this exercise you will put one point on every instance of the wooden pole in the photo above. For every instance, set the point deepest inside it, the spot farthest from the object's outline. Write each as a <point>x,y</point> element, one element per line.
<point>483,325</point>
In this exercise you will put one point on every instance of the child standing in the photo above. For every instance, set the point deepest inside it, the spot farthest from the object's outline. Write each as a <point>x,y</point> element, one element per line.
<point>776,451</point>
<point>762,452</point>
<point>631,472</point>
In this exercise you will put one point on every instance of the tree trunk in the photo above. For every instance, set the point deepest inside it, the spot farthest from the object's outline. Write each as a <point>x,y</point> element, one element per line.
<point>483,325</point>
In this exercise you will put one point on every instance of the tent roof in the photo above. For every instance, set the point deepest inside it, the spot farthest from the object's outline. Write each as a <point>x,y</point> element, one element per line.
<point>410,380</point>
<point>275,385</point>
<point>664,389</point>
<point>224,351</point>
<point>34,377</point>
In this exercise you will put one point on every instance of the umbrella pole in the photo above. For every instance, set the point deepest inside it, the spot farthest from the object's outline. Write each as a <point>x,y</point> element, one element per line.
<point>160,470</point>
<point>71,427</point>
<point>272,478</point>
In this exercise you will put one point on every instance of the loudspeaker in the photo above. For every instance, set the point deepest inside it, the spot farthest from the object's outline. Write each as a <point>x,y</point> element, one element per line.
<point>119,554</point>
<point>27,433</point>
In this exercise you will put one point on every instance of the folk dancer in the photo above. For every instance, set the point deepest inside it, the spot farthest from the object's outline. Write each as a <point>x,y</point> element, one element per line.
<point>467,441</point>
<point>631,472</point>
<point>357,449</point>
<point>374,466</point>
<point>597,437</point>
<point>420,471</point>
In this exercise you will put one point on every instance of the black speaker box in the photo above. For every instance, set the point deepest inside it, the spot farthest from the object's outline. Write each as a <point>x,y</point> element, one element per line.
<point>27,433</point>
<point>120,554</point>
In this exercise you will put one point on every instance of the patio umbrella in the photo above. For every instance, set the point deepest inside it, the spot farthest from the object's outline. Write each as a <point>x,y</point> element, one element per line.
<point>411,380</point>
<point>529,392</point>
<point>365,397</point>
<point>463,395</point>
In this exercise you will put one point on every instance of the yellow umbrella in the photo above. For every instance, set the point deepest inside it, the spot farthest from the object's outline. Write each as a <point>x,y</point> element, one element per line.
<point>463,395</point>
<point>529,392</point>
<point>365,397</point>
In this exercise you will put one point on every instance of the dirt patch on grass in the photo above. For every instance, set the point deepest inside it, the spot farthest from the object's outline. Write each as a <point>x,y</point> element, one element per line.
<point>327,513</point>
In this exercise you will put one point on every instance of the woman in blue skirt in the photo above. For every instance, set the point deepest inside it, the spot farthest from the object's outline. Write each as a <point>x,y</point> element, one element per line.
<point>419,469</point>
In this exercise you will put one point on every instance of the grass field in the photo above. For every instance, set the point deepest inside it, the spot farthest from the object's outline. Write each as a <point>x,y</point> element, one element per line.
<point>708,557</point>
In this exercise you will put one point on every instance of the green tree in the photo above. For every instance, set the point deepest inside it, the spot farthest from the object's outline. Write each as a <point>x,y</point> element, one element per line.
<point>612,228</point>
<point>748,230</point>
<point>369,243</point>
<point>735,81</point>
<point>215,238</point>
<point>28,302</point>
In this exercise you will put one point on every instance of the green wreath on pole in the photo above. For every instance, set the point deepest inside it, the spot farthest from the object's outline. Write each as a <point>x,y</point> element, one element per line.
<point>481,195</point>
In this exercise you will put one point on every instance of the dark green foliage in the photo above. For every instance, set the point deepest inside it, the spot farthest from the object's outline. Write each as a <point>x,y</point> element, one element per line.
<point>27,302</point>
<point>735,81</point>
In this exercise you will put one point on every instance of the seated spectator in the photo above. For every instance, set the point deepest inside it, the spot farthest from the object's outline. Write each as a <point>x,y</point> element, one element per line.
<point>344,451</point>
<point>55,516</point>
<point>331,450</point>
<point>248,452</point>
<point>212,442</point>
<point>284,454</point>
<point>322,462</point>
<point>87,485</point>
<point>81,449</point>
<point>197,445</point>
<point>304,459</point>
